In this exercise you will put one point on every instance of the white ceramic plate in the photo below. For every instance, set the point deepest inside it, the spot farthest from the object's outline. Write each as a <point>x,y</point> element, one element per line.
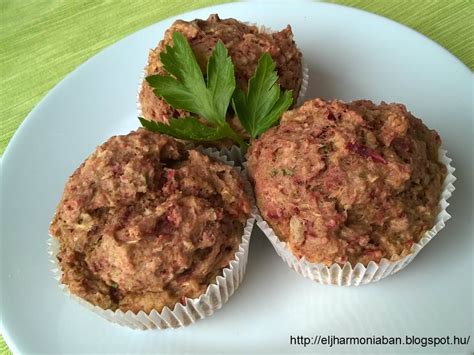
<point>351,55</point>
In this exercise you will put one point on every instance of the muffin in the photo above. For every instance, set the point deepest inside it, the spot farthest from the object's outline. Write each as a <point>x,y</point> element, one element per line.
<point>145,224</point>
<point>348,182</point>
<point>245,44</point>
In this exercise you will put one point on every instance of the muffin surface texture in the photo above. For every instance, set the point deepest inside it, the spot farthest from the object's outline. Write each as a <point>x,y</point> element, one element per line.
<point>144,223</point>
<point>245,44</point>
<point>348,182</point>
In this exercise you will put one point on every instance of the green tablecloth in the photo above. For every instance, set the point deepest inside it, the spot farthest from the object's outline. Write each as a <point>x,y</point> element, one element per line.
<point>43,40</point>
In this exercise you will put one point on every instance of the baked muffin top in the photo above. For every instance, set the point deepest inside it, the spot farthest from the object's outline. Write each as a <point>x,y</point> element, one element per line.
<point>245,44</point>
<point>348,182</point>
<point>143,223</point>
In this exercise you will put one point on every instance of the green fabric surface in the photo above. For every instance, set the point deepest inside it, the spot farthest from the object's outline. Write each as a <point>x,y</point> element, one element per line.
<point>43,40</point>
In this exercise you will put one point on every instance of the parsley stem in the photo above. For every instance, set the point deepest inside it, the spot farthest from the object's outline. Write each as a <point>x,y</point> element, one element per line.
<point>235,137</point>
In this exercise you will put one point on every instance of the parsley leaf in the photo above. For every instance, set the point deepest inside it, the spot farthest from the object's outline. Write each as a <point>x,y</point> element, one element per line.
<point>185,87</point>
<point>220,79</point>
<point>263,104</point>
<point>189,128</point>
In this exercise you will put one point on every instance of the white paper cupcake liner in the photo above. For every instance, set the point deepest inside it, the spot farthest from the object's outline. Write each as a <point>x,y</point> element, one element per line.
<point>216,295</point>
<point>233,153</point>
<point>137,98</point>
<point>304,84</point>
<point>347,275</point>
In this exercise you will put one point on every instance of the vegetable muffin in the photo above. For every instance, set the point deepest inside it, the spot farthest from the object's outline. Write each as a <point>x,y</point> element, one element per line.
<point>245,44</point>
<point>348,182</point>
<point>143,223</point>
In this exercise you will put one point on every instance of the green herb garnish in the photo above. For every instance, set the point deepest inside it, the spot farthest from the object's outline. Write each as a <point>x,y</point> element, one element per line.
<point>186,88</point>
<point>185,128</point>
<point>263,104</point>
